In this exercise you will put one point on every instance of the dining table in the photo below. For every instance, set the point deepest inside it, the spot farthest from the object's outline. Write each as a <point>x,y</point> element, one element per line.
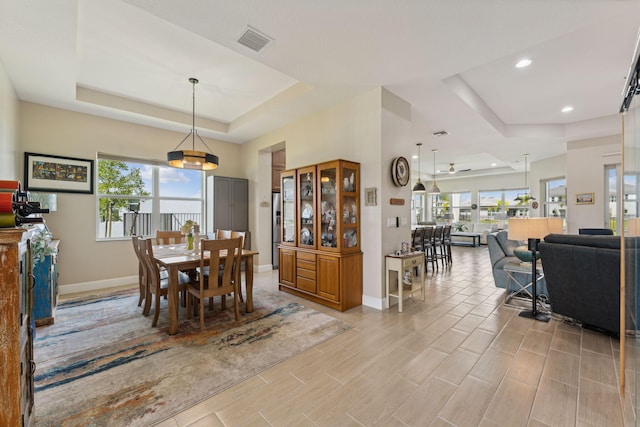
<point>175,258</point>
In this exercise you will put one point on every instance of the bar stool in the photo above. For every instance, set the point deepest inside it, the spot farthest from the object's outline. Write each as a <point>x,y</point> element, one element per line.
<point>446,241</point>
<point>428,239</point>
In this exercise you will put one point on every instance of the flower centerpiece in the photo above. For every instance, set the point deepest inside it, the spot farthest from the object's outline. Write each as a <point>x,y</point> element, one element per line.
<point>187,229</point>
<point>41,246</point>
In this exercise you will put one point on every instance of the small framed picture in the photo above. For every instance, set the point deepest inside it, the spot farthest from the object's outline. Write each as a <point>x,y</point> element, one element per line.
<point>584,198</point>
<point>370,196</point>
<point>57,174</point>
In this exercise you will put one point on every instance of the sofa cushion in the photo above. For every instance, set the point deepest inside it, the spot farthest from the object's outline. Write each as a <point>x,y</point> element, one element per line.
<point>594,241</point>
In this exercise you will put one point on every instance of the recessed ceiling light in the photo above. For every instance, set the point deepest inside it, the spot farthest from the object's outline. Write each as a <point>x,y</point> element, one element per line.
<point>493,165</point>
<point>567,109</point>
<point>524,62</point>
<point>415,156</point>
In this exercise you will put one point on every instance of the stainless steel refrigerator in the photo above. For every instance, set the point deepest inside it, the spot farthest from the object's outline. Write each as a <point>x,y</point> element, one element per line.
<point>275,229</point>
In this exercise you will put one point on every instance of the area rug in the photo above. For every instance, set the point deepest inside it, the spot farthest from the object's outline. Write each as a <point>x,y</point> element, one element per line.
<point>102,364</point>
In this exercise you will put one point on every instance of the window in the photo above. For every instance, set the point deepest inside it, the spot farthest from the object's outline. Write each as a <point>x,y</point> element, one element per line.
<point>138,198</point>
<point>451,207</point>
<point>555,199</point>
<point>628,204</point>
<point>498,205</point>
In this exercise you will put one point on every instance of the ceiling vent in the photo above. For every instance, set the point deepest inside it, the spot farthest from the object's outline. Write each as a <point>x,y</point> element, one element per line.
<point>441,133</point>
<point>254,39</point>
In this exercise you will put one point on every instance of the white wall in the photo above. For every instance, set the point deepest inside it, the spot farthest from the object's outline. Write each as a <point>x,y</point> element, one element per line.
<point>9,127</point>
<point>85,263</point>
<point>586,160</point>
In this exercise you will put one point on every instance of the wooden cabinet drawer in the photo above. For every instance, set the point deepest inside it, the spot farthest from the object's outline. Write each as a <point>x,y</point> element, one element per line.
<point>306,256</point>
<point>305,284</point>
<point>307,265</point>
<point>411,262</point>
<point>309,274</point>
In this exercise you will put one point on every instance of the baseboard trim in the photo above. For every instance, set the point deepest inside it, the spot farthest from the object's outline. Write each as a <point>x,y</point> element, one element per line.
<point>262,268</point>
<point>377,303</point>
<point>97,285</point>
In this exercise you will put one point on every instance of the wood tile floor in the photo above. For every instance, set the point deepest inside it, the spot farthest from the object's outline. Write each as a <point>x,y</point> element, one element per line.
<point>461,358</point>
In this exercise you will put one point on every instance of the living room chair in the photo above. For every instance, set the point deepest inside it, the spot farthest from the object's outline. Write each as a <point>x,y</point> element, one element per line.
<point>170,237</point>
<point>225,282</point>
<point>157,286</point>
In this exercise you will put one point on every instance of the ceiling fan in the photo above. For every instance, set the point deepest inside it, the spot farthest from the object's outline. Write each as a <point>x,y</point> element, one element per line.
<point>453,170</point>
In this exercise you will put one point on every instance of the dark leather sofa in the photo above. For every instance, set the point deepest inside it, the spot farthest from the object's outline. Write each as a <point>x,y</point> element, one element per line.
<point>583,279</point>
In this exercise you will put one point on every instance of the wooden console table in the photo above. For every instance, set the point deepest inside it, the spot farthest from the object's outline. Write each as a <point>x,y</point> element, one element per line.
<point>400,264</point>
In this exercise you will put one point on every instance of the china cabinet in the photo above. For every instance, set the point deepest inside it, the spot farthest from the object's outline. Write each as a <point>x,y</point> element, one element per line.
<point>16,329</point>
<point>320,257</point>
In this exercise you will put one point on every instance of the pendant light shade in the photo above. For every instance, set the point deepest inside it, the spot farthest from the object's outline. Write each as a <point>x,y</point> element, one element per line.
<point>419,187</point>
<point>434,188</point>
<point>192,159</point>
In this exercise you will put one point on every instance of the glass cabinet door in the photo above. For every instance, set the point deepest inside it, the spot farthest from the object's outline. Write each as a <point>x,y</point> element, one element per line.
<point>328,220</point>
<point>288,188</point>
<point>339,206</point>
<point>306,206</point>
<point>350,206</point>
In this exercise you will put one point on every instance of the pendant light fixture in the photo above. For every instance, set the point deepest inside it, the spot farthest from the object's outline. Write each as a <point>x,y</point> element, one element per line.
<point>434,188</point>
<point>525,198</point>
<point>419,187</point>
<point>192,159</point>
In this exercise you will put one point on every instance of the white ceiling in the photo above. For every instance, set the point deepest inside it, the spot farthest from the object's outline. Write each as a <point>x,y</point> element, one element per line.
<point>452,60</point>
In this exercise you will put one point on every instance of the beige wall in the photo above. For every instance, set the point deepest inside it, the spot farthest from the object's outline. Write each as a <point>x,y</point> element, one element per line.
<point>85,263</point>
<point>9,126</point>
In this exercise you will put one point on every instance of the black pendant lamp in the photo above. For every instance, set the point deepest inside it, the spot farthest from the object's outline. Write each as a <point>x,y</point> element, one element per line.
<point>419,187</point>
<point>192,159</point>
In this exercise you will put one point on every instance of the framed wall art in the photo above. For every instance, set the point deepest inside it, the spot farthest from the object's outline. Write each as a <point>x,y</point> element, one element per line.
<point>57,174</point>
<point>584,198</point>
<point>370,196</point>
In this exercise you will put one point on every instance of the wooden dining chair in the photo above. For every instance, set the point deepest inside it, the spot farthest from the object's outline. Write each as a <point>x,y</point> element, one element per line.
<point>169,237</point>
<point>225,253</point>
<point>231,234</point>
<point>223,234</point>
<point>142,276</point>
<point>158,286</point>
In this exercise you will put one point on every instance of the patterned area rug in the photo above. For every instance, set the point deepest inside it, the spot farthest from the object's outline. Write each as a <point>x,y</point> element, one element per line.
<point>102,364</point>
